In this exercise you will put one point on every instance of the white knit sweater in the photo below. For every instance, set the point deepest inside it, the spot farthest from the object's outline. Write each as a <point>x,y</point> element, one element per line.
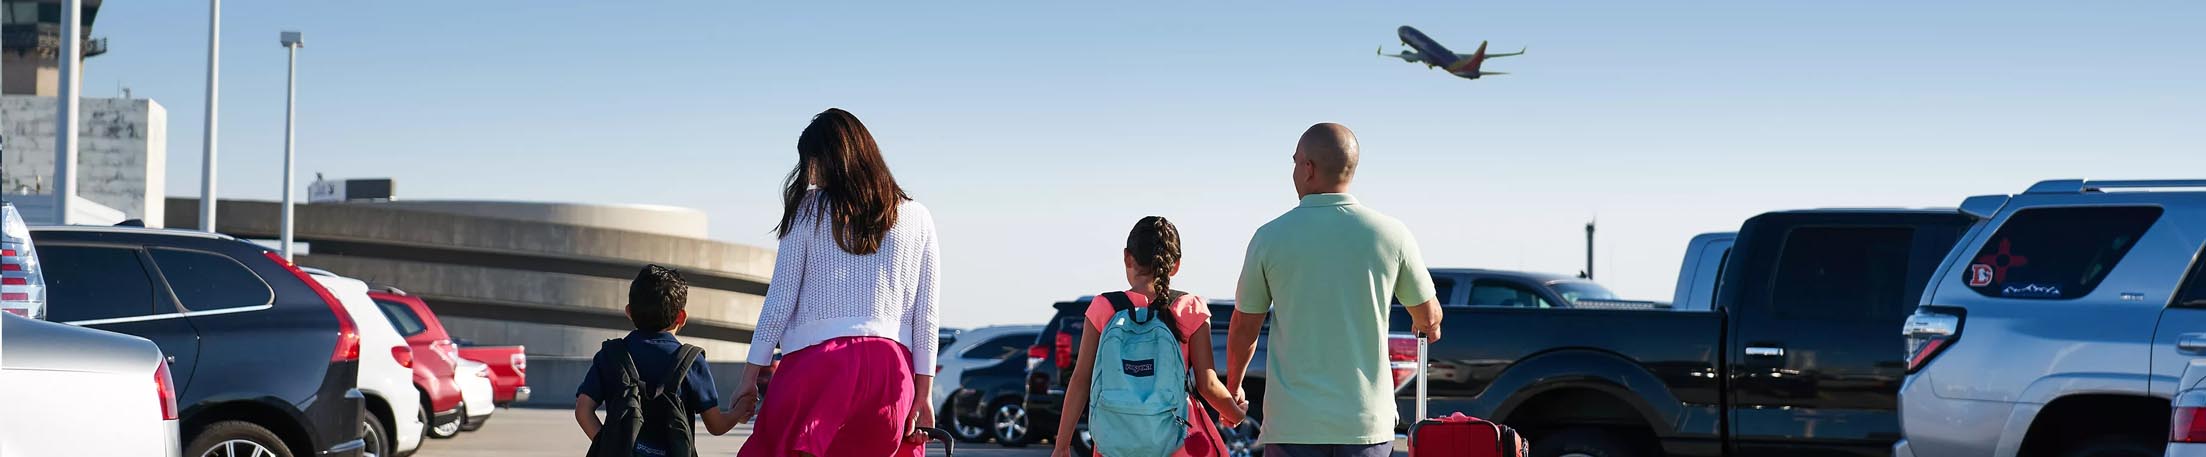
<point>821,292</point>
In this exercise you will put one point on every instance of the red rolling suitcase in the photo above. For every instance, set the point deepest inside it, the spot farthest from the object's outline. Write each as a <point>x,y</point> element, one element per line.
<point>1458,435</point>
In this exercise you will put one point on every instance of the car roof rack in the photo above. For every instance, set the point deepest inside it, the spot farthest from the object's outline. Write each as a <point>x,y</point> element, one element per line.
<point>2077,186</point>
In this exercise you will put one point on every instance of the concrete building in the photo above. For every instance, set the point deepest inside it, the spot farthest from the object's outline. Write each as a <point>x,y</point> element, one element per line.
<point>123,143</point>
<point>551,276</point>
<point>31,32</point>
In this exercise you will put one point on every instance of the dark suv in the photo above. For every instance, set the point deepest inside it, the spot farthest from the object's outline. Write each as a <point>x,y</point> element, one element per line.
<point>264,357</point>
<point>1050,365</point>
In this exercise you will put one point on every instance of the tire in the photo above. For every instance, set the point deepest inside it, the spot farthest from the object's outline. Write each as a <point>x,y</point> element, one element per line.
<point>449,429</point>
<point>1082,443</point>
<point>1009,423</point>
<point>235,439</point>
<point>2115,446</point>
<point>963,432</point>
<point>1584,442</point>
<point>377,438</point>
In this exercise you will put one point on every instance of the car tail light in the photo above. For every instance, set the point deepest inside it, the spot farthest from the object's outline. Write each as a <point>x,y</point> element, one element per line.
<point>1929,332</point>
<point>1035,355</point>
<point>520,359</point>
<point>22,287</point>
<point>404,356</point>
<point>445,349</point>
<point>483,373</point>
<point>1064,351</point>
<point>348,334</point>
<point>2189,425</point>
<point>1401,357</point>
<point>166,388</point>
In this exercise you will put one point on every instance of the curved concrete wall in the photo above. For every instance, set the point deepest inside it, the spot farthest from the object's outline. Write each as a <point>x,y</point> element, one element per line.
<point>556,287</point>
<point>662,220</point>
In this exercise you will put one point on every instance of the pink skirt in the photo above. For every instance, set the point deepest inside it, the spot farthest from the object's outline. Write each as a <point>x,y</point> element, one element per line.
<point>847,396</point>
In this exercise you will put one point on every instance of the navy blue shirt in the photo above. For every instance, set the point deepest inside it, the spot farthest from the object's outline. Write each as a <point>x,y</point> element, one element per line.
<point>653,353</point>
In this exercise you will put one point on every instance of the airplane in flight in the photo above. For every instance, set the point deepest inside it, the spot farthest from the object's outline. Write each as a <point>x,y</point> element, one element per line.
<point>1423,49</point>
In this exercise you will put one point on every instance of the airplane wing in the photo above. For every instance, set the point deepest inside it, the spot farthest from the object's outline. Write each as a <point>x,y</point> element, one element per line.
<point>1520,51</point>
<point>1406,56</point>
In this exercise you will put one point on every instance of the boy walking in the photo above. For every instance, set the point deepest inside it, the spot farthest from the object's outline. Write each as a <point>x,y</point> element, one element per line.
<point>656,304</point>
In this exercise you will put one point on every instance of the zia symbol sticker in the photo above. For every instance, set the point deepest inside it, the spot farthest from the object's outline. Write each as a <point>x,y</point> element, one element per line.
<point>1998,262</point>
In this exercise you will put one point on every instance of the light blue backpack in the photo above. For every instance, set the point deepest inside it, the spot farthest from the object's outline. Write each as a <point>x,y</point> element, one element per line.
<point>1137,397</point>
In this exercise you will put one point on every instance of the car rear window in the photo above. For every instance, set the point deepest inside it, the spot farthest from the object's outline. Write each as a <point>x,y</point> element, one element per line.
<point>88,282</point>
<point>2194,289</point>
<point>208,281</point>
<point>402,317</point>
<point>999,348</point>
<point>1842,273</point>
<point>2056,253</point>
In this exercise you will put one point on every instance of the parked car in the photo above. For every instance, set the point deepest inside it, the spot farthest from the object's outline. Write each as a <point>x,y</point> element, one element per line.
<point>1050,363</point>
<point>393,423</point>
<point>509,370</point>
<point>2187,427</point>
<point>980,347</point>
<point>2062,325</point>
<point>267,358</point>
<point>1796,356</point>
<point>435,362</point>
<point>476,389</point>
<point>58,381</point>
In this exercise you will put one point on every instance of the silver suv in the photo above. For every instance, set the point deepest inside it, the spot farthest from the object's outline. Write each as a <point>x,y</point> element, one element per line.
<point>2061,323</point>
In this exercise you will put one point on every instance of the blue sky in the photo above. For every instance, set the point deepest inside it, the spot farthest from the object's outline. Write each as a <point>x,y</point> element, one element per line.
<point>1039,132</point>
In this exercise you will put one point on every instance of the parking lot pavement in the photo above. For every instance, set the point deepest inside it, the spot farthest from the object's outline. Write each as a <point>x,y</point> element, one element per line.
<point>525,432</point>
<point>551,432</point>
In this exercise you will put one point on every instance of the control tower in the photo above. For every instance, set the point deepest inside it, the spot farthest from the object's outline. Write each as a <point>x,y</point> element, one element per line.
<point>31,31</point>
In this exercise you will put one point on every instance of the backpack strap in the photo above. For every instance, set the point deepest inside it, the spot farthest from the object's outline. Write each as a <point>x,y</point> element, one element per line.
<point>615,351</point>
<point>1121,303</point>
<point>683,358</point>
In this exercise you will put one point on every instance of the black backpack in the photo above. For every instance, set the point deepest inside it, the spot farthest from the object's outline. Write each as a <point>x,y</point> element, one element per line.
<point>652,413</point>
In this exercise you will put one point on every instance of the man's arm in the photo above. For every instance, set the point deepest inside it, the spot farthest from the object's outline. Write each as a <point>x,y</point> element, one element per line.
<point>1424,318</point>
<point>585,414</point>
<point>1241,336</point>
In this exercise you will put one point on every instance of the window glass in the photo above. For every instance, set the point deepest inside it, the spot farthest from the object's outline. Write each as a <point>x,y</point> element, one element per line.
<point>402,317</point>
<point>2056,253</point>
<point>2194,289</point>
<point>85,283</point>
<point>1842,273</point>
<point>208,281</point>
<point>1573,291</point>
<point>999,348</point>
<point>1504,294</point>
<point>1444,288</point>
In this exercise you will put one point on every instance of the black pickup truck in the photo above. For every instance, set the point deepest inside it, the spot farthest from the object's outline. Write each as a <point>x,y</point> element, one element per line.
<point>1800,354</point>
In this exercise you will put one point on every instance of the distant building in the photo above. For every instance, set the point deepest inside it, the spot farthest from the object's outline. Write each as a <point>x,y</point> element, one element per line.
<point>31,30</point>
<point>122,153</point>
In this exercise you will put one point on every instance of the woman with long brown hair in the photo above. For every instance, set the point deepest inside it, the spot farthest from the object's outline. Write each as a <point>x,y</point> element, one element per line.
<point>852,307</point>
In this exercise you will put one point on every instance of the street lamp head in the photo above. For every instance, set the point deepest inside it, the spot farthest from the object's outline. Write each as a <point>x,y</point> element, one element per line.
<point>293,39</point>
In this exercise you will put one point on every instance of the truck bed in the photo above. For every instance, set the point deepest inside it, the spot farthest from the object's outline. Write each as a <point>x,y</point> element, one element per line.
<point>1601,347</point>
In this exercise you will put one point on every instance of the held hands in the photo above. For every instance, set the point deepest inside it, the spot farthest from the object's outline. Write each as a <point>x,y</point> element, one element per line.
<point>1232,417</point>
<point>746,400</point>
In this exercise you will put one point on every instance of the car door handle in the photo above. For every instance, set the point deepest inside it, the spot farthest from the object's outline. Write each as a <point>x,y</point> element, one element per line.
<point>2191,343</point>
<point>1765,351</point>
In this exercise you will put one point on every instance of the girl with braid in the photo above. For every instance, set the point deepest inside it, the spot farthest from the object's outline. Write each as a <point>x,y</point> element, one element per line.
<point>1152,256</point>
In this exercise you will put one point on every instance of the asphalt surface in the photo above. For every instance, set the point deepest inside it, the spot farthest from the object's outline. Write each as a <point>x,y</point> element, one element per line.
<point>552,432</point>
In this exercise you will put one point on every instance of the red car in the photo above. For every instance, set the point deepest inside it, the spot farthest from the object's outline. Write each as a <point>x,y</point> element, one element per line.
<point>509,369</point>
<point>440,391</point>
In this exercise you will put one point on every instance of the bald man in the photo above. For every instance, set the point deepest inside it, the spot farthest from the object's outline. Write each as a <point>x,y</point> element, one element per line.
<point>1323,272</point>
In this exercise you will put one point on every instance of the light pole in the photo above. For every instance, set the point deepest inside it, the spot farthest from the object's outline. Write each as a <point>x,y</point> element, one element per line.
<point>214,92</point>
<point>292,41</point>
<point>65,111</point>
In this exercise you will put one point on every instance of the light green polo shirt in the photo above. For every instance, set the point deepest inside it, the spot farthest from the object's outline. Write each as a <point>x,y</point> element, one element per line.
<point>1325,271</point>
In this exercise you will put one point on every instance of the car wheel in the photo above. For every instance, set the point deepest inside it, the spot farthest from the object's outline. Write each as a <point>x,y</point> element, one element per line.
<point>2114,446</point>
<point>236,439</point>
<point>1010,424</point>
<point>371,433</point>
<point>451,429</point>
<point>1584,442</point>
<point>1084,443</point>
<point>959,428</point>
<point>1240,439</point>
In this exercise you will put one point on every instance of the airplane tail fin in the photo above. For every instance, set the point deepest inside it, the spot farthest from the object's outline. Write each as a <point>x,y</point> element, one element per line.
<point>1481,50</point>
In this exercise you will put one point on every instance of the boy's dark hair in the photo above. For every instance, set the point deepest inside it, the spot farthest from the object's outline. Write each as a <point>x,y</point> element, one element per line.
<point>655,297</point>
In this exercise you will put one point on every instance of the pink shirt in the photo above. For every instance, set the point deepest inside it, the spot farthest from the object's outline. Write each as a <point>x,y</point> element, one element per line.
<point>1190,312</point>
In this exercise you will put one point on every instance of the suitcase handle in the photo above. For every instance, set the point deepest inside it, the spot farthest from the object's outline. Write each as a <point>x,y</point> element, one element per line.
<point>949,444</point>
<point>1423,368</point>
